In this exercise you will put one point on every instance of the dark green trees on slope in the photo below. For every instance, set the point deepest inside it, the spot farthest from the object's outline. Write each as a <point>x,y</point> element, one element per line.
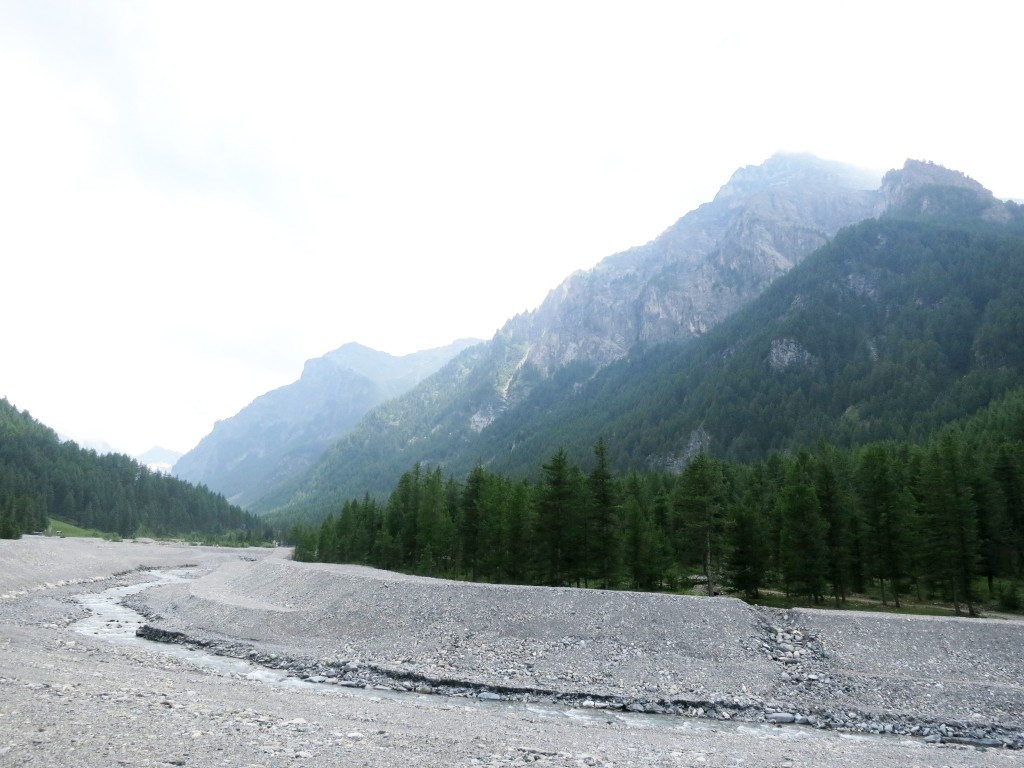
<point>928,520</point>
<point>40,476</point>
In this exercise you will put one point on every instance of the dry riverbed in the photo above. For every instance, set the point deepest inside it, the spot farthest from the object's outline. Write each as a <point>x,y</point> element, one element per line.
<point>490,675</point>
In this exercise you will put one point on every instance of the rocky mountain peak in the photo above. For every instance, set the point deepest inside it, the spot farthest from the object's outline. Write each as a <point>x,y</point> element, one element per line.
<point>908,186</point>
<point>793,169</point>
<point>702,268</point>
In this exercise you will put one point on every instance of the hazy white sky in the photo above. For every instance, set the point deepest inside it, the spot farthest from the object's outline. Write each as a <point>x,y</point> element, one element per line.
<point>196,197</point>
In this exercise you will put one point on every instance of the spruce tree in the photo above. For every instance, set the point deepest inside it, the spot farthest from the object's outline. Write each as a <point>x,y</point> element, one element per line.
<point>603,520</point>
<point>951,516</point>
<point>700,503</point>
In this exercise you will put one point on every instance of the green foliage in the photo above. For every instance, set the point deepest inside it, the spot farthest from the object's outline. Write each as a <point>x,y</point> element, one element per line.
<point>63,528</point>
<point>804,533</point>
<point>1009,599</point>
<point>41,476</point>
<point>888,518</point>
<point>700,503</point>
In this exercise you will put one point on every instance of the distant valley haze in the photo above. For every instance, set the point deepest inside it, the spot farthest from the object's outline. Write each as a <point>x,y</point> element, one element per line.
<point>189,220</point>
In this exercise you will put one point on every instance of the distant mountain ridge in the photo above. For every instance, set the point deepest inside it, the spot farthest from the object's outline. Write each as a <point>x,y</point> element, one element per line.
<point>285,431</point>
<point>159,459</point>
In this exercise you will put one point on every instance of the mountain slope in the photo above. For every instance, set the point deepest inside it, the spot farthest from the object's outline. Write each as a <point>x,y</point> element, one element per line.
<point>894,329</point>
<point>679,285</point>
<point>285,431</point>
<point>823,351</point>
<point>705,266</point>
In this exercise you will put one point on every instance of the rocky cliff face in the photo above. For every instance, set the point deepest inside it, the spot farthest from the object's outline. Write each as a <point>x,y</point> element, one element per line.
<point>285,431</point>
<point>899,186</point>
<point>705,266</point>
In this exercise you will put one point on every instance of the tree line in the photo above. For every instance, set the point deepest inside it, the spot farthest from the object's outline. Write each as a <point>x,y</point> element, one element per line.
<point>43,477</point>
<point>942,519</point>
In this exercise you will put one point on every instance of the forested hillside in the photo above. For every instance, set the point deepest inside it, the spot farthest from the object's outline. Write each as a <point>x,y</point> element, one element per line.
<point>40,476</point>
<point>942,519</point>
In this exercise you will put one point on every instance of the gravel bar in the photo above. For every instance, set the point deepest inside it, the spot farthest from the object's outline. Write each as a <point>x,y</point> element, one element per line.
<point>730,684</point>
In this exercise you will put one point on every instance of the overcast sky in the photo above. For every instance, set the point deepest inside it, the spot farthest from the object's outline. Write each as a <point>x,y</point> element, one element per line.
<point>196,197</point>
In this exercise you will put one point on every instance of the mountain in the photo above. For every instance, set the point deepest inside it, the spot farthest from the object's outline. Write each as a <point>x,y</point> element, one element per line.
<point>43,476</point>
<point>159,459</point>
<point>701,269</point>
<point>892,327</point>
<point>898,326</point>
<point>282,433</point>
<point>712,261</point>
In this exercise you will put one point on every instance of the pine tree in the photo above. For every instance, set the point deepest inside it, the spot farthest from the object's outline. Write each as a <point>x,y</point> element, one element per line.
<point>951,516</point>
<point>804,553</point>
<point>9,528</point>
<point>602,519</point>
<point>748,550</point>
<point>700,503</point>
<point>519,534</point>
<point>557,521</point>
<point>470,520</point>
<point>643,542</point>
<point>1009,476</point>
<point>887,507</point>
<point>832,491</point>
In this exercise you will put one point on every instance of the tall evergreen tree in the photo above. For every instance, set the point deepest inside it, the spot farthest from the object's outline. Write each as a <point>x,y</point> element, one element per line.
<point>557,521</point>
<point>700,502</point>
<point>887,507</point>
<point>603,520</point>
<point>1008,474</point>
<point>644,545</point>
<point>748,550</point>
<point>831,486</point>
<point>951,516</point>
<point>520,534</point>
<point>804,530</point>
<point>471,519</point>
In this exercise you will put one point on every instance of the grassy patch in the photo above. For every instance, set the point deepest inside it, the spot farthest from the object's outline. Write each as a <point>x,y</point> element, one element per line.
<point>856,603</point>
<point>61,528</point>
<point>870,603</point>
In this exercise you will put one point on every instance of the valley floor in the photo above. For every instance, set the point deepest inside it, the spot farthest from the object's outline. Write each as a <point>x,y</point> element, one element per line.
<point>533,675</point>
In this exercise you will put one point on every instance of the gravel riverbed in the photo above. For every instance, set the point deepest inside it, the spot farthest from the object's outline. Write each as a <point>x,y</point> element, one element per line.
<point>495,675</point>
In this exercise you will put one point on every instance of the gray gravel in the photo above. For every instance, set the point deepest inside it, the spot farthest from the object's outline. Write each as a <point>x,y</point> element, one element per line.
<point>715,663</point>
